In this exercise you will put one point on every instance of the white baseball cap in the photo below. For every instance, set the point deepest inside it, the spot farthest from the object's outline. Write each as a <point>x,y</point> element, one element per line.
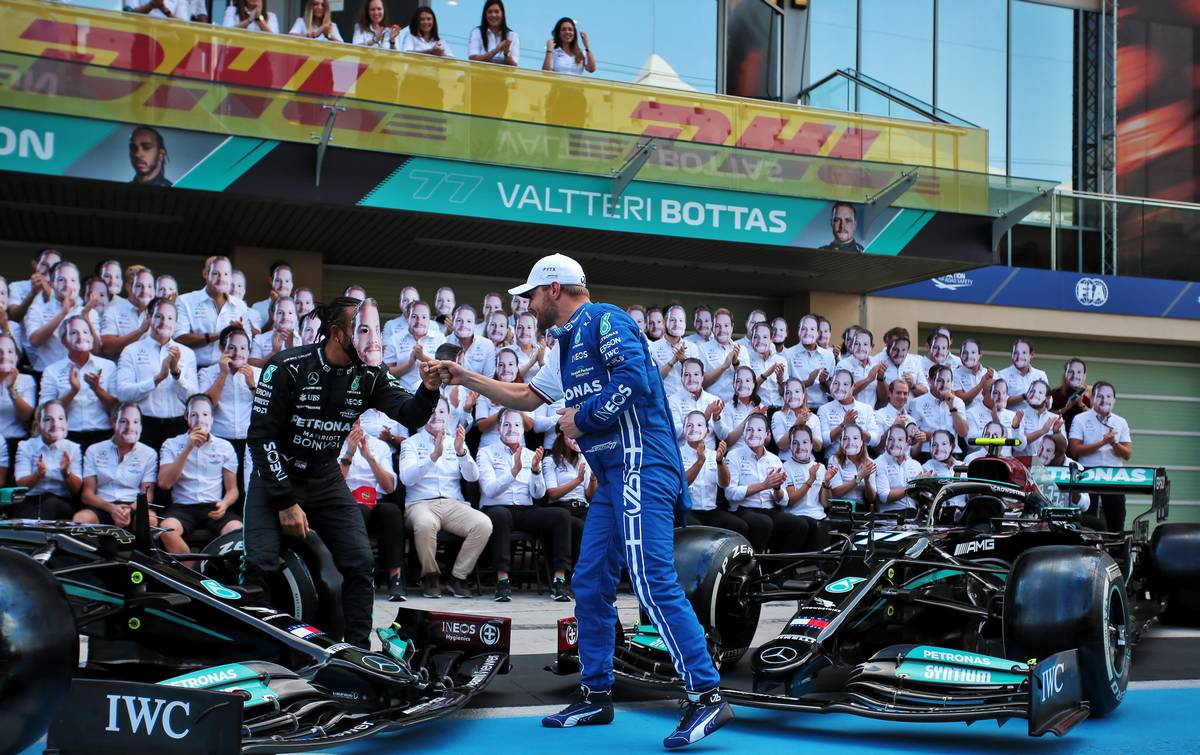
<point>556,267</point>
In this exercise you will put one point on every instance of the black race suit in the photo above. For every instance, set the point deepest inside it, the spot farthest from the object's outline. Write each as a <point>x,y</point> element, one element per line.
<point>303,410</point>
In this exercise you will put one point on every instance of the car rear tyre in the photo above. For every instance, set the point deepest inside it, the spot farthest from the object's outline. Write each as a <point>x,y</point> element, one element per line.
<point>711,564</point>
<point>1061,597</point>
<point>1175,555</point>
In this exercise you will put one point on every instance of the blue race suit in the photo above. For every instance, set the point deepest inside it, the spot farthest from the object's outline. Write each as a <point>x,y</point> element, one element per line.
<point>604,369</point>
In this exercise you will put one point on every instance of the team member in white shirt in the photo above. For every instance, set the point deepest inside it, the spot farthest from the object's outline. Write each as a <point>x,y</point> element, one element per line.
<point>939,409</point>
<point>510,479</point>
<point>656,326</point>
<point>865,372</point>
<point>978,418</point>
<point>722,356</point>
<point>1021,373</point>
<point>492,41</point>
<point>18,396</point>
<point>779,330</point>
<point>282,284</point>
<point>402,353</point>
<point>811,363</point>
<point>1100,438</point>
<point>118,471</point>
<point>669,351</point>
<point>806,492</point>
<point>702,321</point>
<point>893,471</point>
<point>706,470</point>
<point>200,470</point>
<point>433,463</point>
<point>423,37</point>
<point>894,412</point>
<point>565,54</point>
<point>488,414</point>
<point>1038,420</point>
<point>159,374</point>
<point>937,352</point>
<point>843,412</point>
<point>178,10</point>
<point>794,415</point>
<point>166,287</point>
<point>9,326</point>
<point>230,383</point>
<point>972,381</point>
<point>366,465</point>
<point>692,397</point>
<point>745,403</point>
<point>37,288</point>
<point>282,335</point>
<point>43,320</point>
<point>124,320</point>
<point>570,485</point>
<point>941,459</point>
<point>399,325</point>
<point>770,368</point>
<point>756,482</point>
<point>855,472</point>
<point>478,354</point>
<point>756,315</point>
<point>531,354</point>
<point>49,465</point>
<point>316,23</point>
<point>900,364</point>
<point>84,383</point>
<point>492,303</point>
<point>372,28</point>
<point>251,15</point>
<point>204,313</point>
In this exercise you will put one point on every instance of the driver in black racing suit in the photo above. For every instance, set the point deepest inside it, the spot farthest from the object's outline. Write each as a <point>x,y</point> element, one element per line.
<point>304,406</point>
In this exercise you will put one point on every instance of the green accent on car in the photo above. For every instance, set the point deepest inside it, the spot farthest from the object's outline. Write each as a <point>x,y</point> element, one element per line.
<point>950,656</point>
<point>956,676</point>
<point>394,645</point>
<point>648,637</point>
<point>220,590</point>
<point>232,677</point>
<point>844,585</point>
<point>136,623</point>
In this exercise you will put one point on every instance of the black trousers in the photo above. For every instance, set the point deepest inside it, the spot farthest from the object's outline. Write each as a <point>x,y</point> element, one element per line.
<point>333,514</point>
<point>45,506</point>
<point>155,430</point>
<point>1112,511</point>
<point>551,524</point>
<point>578,512</point>
<point>789,533</point>
<point>386,519</point>
<point>719,518</point>
<point>759,524</point>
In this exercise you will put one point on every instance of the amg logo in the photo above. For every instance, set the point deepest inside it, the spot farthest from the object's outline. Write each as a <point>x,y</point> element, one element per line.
<point>974,546</point>
<point>582,390</point>
<point>145,711</point>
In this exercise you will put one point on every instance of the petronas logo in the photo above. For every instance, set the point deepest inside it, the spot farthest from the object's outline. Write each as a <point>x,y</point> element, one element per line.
<point>605,325</point>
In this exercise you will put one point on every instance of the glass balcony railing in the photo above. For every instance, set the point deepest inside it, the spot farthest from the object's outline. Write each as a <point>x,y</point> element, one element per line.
<point>850,91</point>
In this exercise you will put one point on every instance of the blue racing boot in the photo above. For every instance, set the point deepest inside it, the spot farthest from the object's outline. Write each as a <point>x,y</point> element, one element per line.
<point>703,713</point>
<point>592,708</point>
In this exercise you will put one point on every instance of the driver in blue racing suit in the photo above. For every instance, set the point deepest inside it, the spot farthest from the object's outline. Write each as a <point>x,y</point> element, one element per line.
<point>615,405</point>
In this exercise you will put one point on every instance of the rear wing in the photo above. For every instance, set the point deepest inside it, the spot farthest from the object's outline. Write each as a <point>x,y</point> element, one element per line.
<point>1151,481</point>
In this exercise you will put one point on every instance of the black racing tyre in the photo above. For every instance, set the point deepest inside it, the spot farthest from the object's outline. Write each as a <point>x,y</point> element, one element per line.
<point>1175,558</point>
<point>293,590</point>
<point>39,649</point>
<point>709,562</point>
<point>1061,597</point>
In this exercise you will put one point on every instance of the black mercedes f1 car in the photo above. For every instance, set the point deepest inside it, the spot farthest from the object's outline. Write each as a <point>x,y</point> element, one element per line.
<point>221,663</point>
<point>1005,607</point>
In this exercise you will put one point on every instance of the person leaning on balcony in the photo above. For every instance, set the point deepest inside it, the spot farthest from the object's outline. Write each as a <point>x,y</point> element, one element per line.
<point>567,51</point>
<point>423,35</point>
<point>251,15</point>
<point>179,10</point>
<point>502,44</point>
<point>316,23</point>
<point>372,28</point>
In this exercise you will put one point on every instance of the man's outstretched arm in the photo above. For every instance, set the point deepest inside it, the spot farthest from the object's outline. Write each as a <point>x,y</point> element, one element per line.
<point>517,396</point>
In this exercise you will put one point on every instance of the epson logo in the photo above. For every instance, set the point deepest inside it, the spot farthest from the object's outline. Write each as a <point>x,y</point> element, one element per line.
<point>582,390</point>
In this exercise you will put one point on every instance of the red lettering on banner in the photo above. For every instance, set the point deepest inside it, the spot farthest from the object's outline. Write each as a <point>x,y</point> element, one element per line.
<point>314,114</point>
<point>333,77</point>
<point>854,144</point>
<point>712,126</point>
<point>243,105</point>
<point>763,133</point>
<point>213,62</point>
<point>56,79</point>
<point>171,97</point>
<point>136,51</point>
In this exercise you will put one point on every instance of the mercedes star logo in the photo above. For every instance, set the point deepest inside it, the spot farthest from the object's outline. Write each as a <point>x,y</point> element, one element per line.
<point>778,655</point>
<point>381,664</point>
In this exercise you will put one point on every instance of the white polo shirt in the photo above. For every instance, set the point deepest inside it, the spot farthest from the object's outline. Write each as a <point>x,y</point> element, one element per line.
<point>137,368</point>
<point>545,421</point>
<point>556,474</point>
<point>120,318</point>
<point>397,326</point>
<point>1018,384</point>
<point>300,27</point>
<point>10,426</point>
<point>714,355</point>
<point>28,452</point>
<point>844,473</point>
<point>704,488</point>
<point>410,43</point>
<point>262,345</point>
<point>52,350</point>
<point>858,371</point>
<point>978,418</point>
<point>497,485</point>
<point>85,412</point>
<point>797,474</point>
<point>424,481</point>
<point>231,415</point>
<point>1090,428</point>
<point>562,61</point>
<point>202,480</point>
<point>832,414</point>
<point>771,390</point>
<point>684,403</point>
<point>120,480</point>
<point>801,362</point>
<point>886,416</point>
<point>475,45</point>
<point>360,474</point>
<point>889,474</point>
<point>374,421</point>
<point>197,312</point>
<point>965,380</point>
<point>400,348</point>
<point>484,408</point>
<point>663,352</point>
<point>479,357</point>
<point>781,430</point>
<point>931,414</point>
<point>745,470</point>
<point>911,363</point>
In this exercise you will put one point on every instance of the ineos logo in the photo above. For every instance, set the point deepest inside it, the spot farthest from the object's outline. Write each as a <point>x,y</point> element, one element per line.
<point>778,655</point>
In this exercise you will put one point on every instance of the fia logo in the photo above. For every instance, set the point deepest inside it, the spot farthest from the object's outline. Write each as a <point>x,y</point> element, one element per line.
<point>1091,292</point>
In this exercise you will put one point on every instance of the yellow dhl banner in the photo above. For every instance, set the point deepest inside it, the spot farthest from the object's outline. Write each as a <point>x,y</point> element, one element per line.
<point>135,69</point>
